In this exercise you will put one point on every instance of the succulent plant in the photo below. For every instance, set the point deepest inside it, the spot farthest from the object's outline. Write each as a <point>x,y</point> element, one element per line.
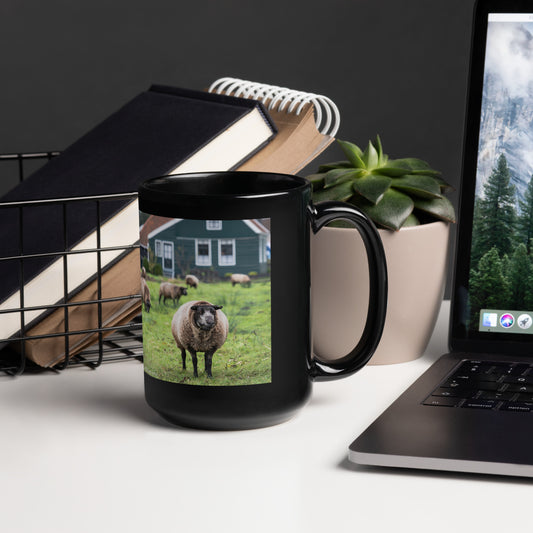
<point>394,193</point>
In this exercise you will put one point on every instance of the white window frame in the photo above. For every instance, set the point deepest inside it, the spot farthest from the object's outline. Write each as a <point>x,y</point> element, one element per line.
<point>202,260</point>
<point>213,225</point>
<point>230,260</point>
<point>158,248</point>
<point>165,245</point>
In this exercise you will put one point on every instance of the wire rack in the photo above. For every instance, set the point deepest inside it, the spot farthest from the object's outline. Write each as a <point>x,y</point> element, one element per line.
<point>115,343</point>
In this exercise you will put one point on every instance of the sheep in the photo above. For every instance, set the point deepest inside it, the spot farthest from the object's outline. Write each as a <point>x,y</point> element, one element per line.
<point>171,292</point>
<point>192,281</point>
<point>199,326</point>
<point>145,291</point>
<point>243,279</point>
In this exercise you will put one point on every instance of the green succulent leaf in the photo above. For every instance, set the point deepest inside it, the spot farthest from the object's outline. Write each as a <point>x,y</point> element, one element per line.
<point>418,185</point>
<point>340,175</point>
<point>370,156</point>
<point>414,166</point>
<point>410,163</point>
<point>440,208</point>
<point>410,221</point>
<point>317,180</point>
<point>394,193</point>
<point>379,148</point>
<point>426,172</point>
<point>335,164</point>
<point>391,212</point>
<point>341,193</point>
<point>444,185</point>
<point>353,153</point>
<point>393,172</point>
<point>372,187</point>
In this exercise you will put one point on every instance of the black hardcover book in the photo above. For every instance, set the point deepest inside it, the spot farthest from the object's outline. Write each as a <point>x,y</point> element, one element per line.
<point>163,130</point>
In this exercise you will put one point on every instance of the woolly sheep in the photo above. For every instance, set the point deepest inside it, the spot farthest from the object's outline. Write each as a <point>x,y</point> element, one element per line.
<point>192,281</point>
<point>243,279</point>
<point>171,292</point>
<point>145,291</point>
<point>199,326</point>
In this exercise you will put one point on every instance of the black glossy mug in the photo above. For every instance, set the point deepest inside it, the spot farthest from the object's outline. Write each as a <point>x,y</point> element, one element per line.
<point>227,342</point>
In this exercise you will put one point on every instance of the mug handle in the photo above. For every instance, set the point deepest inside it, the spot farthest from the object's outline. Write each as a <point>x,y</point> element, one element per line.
<point>320,215</point>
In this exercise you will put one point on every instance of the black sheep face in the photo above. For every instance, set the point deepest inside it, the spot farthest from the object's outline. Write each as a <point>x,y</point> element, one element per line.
<point>205,316</point>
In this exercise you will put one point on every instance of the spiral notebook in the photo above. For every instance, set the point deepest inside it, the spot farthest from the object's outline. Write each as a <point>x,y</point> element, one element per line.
<point>306,122</point>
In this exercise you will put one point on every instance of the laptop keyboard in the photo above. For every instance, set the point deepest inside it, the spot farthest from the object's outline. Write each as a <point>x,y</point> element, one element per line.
<point>486,385</point>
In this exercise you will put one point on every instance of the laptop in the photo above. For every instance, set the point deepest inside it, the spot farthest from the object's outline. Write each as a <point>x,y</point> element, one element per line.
<point>472,411</point>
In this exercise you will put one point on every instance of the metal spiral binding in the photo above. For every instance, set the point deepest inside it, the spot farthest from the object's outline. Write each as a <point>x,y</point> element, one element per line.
<point>327,116</point>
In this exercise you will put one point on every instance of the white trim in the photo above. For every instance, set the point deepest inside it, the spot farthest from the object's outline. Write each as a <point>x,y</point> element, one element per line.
<point>158,244</point>
<point>163,227</point>
<point>263,249</point>
<point>167,244</point>
<point>196,256</point>
<point>256,226</point>
<point>233,260</point>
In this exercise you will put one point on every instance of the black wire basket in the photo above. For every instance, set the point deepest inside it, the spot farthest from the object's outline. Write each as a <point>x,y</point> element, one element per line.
<point>107,343</point>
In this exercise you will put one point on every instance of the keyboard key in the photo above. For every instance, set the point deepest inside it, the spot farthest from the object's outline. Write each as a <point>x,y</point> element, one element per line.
<point>519,388</point>
<point>443,402</point>
<point>463,384</point>
<point>488,385</point>
<point>525,407</point>
<point>490,395</point>
<point>524,398</point>
<point>480,404</point>
<point>518,369</point>
<point>526,380</point>
<point>490,377</point>
<point>454,393</point>
<point>463,377</point>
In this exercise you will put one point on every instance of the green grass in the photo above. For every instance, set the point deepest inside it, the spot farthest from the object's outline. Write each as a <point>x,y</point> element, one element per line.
<point>244,359</point>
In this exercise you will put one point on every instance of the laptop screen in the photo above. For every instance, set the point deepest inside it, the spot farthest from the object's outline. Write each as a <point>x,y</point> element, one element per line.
<point>494,277</point>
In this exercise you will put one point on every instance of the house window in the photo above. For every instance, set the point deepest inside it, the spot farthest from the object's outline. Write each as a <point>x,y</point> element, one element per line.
<point>226,252</point>
<point>203,252</point>
<point>213,225</point>
<point>168,256</point>
<point>158,251</point>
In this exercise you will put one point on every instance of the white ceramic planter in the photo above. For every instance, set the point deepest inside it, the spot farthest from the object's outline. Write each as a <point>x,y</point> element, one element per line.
<point>416,263</point>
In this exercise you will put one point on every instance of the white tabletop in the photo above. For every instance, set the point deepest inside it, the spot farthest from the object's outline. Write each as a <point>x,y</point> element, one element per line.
<point>82,452</point>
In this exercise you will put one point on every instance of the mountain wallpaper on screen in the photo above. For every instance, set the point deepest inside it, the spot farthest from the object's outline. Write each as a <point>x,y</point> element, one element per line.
<point>501,275</point>
<point>507,109</point>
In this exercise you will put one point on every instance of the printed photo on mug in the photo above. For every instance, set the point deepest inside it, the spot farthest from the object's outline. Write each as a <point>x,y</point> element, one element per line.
<point>206,300</point>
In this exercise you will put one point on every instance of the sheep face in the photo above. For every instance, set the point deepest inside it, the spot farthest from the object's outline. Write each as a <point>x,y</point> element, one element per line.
<point>205,316</point>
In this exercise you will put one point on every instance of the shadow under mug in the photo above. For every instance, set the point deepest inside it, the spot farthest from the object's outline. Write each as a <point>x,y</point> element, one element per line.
<point>229,345</point>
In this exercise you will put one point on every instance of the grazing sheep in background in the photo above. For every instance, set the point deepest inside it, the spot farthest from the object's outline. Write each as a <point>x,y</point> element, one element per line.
<point>171,292</point>
<point>145,291</point>
<point>242,279</point>
<point>192,281</point>
<point>199,326</point>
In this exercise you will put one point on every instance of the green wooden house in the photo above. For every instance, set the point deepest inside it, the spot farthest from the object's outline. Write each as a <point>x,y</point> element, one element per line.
<point>185,246</point>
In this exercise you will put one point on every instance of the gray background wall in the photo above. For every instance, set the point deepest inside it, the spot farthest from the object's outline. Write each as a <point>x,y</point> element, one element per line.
<point>394,68</point>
